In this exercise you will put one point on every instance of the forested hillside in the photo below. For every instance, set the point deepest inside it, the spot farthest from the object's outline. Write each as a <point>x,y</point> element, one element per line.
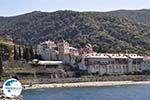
<point>107,33</point>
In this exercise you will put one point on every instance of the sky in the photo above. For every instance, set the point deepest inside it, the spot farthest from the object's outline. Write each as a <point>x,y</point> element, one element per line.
<point>17,7</point>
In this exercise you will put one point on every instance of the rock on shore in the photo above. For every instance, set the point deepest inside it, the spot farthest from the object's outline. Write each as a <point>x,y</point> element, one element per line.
<point>6,98</point>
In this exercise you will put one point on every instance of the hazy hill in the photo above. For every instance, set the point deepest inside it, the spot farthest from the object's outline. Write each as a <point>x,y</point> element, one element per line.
<point>106,32</point>
<point>142,16</point>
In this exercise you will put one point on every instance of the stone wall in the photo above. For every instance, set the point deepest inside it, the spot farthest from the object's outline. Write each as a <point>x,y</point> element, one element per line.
<point>88,79</point>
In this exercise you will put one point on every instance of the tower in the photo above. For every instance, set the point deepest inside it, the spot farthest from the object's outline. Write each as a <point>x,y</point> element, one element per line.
<point>63,48</point>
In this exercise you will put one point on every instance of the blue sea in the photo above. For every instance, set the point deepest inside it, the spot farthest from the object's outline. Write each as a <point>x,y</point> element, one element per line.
<point>132,92</point>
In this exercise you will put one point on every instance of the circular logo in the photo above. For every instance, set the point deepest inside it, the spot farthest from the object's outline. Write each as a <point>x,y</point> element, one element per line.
<point>12,88</point>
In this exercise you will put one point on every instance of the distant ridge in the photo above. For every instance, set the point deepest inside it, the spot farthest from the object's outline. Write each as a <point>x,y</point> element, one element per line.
<point>142,16</point>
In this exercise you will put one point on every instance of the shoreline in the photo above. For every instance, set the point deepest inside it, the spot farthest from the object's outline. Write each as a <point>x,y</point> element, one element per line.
<point>86,84</point>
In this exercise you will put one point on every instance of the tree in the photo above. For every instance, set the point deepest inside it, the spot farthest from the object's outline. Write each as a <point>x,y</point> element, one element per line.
<point>27,55</point>
<point>24,52</point>
<point>31,53</point>
<point>95,47</point>
<point>1,66</point>
<point>20,53</point>
<point>15,53</point>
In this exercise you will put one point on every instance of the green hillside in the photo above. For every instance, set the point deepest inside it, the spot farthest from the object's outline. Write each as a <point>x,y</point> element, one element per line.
<point>107,33</point>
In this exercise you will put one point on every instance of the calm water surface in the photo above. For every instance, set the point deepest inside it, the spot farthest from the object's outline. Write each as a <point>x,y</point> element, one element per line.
<point>133,92</point>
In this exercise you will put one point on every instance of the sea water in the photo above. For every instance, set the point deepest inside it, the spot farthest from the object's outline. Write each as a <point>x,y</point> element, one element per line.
<point>131,92</point>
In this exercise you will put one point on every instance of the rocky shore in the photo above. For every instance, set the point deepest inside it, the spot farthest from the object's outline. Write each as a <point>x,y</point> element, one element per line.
<point>87,84</point>
<point>6,98</point>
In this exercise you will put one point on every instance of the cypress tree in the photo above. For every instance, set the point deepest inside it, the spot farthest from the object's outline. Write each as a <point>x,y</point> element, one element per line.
<point>35,53</point>
<point>27,55</point>
<point>31,53</point>
<point>24,52</point>
<point>20,53</point>
<point>15,53</point>
<point>1,66</point>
